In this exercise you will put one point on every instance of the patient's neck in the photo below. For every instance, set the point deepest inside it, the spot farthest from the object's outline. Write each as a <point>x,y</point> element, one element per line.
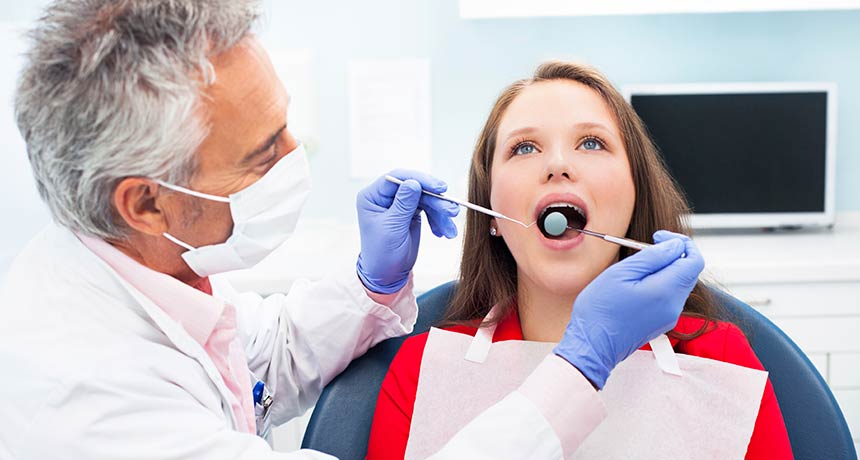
<point>543,314</point>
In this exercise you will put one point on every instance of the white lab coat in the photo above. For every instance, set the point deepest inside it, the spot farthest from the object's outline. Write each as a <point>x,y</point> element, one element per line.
<point>92,369</point>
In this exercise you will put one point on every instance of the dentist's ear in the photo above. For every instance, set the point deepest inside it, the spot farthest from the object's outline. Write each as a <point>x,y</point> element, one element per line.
<point>137,202</point>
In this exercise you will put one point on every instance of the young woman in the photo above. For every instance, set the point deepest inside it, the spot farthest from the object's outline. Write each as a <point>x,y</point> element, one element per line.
<point>564,140</point>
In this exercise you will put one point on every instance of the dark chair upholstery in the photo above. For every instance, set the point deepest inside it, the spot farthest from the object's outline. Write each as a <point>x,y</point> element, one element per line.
<point>340,424</point>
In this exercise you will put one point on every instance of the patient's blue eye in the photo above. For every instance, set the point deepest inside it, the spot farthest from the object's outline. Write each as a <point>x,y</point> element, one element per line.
<point>592,144</point>
<point>524,148</point>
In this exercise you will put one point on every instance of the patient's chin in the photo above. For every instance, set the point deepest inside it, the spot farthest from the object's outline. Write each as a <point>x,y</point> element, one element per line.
<point>562,281</point>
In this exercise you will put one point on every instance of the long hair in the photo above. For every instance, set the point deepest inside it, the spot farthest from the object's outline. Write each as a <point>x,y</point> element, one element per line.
<point>488,271</point>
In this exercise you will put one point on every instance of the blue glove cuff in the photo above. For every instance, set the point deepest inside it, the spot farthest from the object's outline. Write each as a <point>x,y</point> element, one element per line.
<point>584,360</point>
<point>376,285</point>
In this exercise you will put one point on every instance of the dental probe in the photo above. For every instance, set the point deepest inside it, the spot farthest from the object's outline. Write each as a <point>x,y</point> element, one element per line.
<point>463,203</point>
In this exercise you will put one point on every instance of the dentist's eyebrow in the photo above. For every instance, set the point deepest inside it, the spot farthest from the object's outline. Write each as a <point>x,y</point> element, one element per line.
<point>251,156</point>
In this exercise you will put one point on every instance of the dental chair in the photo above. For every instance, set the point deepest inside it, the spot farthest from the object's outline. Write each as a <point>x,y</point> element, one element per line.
<point>340,424</point>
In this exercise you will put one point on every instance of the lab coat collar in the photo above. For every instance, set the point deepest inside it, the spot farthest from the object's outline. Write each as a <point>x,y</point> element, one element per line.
<point>196,311</point>
<point>101,275</point>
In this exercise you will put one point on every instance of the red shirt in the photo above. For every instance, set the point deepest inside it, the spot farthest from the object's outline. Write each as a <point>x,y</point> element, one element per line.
<point>723,342</point>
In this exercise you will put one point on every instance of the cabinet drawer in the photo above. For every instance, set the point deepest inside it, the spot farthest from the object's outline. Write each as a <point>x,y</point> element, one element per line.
<point>800,299</point>
<point>822,334</point>
<point>845,371</point>
<point>820,361</point>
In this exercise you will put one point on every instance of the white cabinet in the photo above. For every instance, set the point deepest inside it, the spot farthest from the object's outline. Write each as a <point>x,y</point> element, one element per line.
<point>819,317</point>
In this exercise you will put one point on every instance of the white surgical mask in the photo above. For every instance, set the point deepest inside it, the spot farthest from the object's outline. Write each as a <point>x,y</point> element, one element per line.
<point>264,214</point>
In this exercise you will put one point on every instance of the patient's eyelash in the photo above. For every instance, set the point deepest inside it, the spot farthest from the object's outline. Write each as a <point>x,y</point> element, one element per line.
<point>521,143</point>
<point>592,137</point>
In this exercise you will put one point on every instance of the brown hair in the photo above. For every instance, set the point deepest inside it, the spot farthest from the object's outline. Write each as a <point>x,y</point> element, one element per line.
<point>488,271</point>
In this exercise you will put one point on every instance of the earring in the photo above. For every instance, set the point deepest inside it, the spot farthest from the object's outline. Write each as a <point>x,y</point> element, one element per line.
<point>493,231</point>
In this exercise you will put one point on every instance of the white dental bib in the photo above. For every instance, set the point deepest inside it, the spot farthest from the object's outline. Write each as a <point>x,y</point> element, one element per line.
<point>706,412</point>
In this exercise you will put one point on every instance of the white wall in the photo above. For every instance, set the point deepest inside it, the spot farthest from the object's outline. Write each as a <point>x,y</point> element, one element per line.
<point>20,204</point>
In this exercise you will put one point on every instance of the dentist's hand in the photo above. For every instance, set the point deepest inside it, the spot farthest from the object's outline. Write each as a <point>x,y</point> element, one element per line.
<point>629,304</point>
<point>389,220</point>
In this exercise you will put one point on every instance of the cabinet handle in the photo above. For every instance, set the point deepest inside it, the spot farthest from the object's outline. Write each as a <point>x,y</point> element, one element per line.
<point>759,302</point>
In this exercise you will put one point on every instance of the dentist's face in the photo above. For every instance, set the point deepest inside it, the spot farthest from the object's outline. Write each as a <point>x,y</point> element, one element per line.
<point>558,146</point>
<point>246,109</point>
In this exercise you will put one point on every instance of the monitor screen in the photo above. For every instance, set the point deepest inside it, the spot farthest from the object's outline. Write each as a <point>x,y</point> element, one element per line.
<point>743,152</point>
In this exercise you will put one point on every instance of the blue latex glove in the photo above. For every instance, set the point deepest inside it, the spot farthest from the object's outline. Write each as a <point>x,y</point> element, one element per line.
<point>630,303</point>
<point>389,219</point>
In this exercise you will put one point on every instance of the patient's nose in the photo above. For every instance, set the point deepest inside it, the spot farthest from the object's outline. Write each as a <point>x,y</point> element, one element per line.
<point>558,165</point>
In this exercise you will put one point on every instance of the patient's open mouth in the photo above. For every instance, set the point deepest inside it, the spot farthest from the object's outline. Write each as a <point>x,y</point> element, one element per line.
<point>553,226</point>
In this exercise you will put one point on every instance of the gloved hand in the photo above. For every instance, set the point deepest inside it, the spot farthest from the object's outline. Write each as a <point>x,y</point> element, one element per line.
<point>389,220</point>
<point>630,303</point>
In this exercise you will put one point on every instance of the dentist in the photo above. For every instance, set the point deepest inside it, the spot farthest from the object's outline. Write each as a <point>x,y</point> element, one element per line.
<point>158,136</point>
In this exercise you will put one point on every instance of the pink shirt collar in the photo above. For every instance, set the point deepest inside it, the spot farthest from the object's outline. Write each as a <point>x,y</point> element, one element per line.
<point>196,311</point>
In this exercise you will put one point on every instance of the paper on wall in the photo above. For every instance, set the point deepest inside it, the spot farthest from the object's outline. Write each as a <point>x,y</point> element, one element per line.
<point>389,115</point>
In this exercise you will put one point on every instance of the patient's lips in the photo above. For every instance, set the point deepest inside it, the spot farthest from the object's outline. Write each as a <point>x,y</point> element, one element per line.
<point>575,219</point>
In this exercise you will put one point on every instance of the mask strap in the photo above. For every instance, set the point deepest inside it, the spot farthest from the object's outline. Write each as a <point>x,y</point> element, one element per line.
<point>188,191</point>
<point>177,241</point>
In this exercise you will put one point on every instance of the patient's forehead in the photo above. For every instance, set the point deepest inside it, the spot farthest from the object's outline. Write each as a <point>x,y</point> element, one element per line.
<point>557,106</point>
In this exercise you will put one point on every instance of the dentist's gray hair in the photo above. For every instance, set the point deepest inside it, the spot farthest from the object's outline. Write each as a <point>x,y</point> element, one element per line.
<point>112,89</point>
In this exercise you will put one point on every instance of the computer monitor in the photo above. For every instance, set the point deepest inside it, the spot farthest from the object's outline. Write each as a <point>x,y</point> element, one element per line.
<point>747,155</point>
